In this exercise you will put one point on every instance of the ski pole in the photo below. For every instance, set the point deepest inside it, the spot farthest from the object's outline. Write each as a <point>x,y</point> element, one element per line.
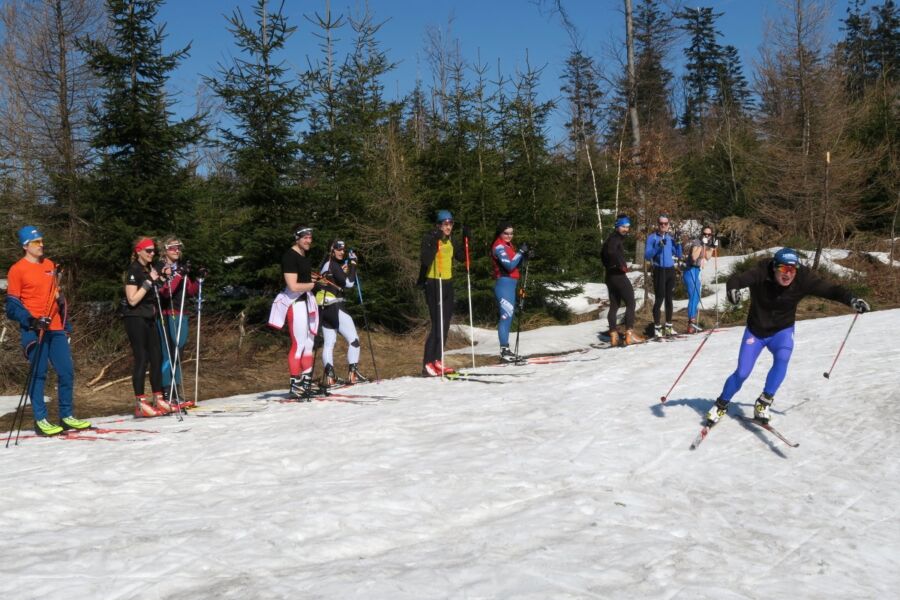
<point>471,319</point>
<point>440,306</point>
<point>162,321</point>
<point>19,415</point>
<point>852,323</point>
<point>684,370</point>
<point>521,306</point>
<point>176,360</point>
<point>366,323</point>
<point>197,353</point>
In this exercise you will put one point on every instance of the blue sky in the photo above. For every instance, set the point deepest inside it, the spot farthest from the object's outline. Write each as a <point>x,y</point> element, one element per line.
<point>503,30</point>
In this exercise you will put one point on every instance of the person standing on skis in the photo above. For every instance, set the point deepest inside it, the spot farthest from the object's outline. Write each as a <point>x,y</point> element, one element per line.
<point>663,250</point>
<point>612,253</point>
<point>777,286</point>
<point>178,285</point>
<point>506,261</point>
<point>337,274</point>
<point>436,278</point>
<point>297,307</point>
<point>34,301</point>
<point>696,254</point>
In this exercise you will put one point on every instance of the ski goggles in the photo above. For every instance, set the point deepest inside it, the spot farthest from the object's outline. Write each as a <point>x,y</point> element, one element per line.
<point>339,245</point>
<point>303,232</point>
<point>786,269</point>
<point>178,246</point>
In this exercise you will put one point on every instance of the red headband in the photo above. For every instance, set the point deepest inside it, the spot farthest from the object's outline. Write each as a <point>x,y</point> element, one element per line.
<point>144,244</point>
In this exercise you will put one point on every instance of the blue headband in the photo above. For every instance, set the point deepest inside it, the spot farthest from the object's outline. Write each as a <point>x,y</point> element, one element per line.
<point>623,222</point>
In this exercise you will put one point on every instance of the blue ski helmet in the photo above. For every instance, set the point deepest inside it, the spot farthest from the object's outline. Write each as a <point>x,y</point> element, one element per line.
<point>28,234</point>
<point>787,256</point>
<point>444,215</point>
<point>623,221</point>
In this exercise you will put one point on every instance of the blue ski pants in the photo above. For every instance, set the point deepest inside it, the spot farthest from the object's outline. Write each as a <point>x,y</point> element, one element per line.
<point>693,287</point>
<point>505,292</point>
<point>177,339</point>
<point>54,349</point>
<point>781,345</point>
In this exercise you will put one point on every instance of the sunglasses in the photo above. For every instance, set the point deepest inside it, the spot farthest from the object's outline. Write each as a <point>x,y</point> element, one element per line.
<point>786,269</point>
<point>663,222</point>
<point>149,251</point>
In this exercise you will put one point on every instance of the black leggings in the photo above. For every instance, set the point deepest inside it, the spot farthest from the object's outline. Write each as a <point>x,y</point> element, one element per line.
<point>664,290</point>
<point>620,291</point>
<point>144,337</point>
<point>433,290</point>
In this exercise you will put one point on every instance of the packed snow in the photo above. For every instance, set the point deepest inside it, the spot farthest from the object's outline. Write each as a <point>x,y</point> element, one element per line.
<point>566,480</point>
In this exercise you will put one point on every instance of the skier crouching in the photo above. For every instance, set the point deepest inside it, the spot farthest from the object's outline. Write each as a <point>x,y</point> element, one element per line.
<point>776,287</point>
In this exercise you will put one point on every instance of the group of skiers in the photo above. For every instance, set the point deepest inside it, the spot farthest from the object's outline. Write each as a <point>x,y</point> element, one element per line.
<point>312,303</point>
<point>153,312</point>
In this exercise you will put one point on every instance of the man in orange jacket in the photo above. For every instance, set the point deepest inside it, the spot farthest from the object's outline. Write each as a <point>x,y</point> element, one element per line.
<point>35,302</point>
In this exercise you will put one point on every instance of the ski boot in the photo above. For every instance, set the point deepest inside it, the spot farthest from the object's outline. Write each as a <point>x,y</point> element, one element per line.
<point>330,378</point>
<point>694,327</point>
<point>71,422</point>
<point>162,405</point>
<point>657,332</point>
<point>669,331</point>
<point>716,412</point>
<point>507,356</point>
<point>353,374</point>
<point>443,369</point>
<point>45,427</point>
<point>761,408</point>
<point>632,338</point>
<point>429,370</point>
<point>301,388</point>
<point>144,409</point>
<point>614,338</point>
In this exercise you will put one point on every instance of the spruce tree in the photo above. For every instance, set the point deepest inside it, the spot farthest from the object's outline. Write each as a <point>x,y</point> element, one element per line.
<point>704,57</point>
<point>140,185</point>
<point>262,146</point>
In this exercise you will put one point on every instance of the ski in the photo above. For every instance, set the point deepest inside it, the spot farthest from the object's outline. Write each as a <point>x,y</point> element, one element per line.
<point>475,374</point>
<point>459,377</point>
<point>701,436</point>
<point>771,430</point>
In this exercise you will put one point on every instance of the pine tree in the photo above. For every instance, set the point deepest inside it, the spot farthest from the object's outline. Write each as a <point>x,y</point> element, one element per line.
<point>854,48</point>
<point>732,91</point>
<point>140,185</point>
<point>653,34</point>
<point>262,146</point>
<point>704,57</point>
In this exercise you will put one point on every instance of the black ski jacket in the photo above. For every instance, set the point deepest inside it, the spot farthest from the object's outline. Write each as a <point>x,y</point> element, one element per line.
<point>429,251</point>
<point>773,307</point>
<point>612,253</point>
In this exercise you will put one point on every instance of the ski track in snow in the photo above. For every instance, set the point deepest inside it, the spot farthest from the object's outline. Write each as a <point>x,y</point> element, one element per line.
<point>568,482</point>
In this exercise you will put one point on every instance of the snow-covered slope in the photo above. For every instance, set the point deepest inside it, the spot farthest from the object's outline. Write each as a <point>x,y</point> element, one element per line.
<point>567,480</point>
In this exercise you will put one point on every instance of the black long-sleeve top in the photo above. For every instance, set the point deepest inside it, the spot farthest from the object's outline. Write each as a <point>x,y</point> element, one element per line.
<point>612,253</point>
<point>773,307</point>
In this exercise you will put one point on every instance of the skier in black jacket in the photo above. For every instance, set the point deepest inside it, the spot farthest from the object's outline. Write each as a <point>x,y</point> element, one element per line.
<point>776,287</point>
<point>620,289</point>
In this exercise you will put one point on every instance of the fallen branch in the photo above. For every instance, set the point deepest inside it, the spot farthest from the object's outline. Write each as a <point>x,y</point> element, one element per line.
<point>115,381</point>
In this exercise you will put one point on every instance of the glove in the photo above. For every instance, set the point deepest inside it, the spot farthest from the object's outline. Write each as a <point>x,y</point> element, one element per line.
<point>41,324</point>
<point>526,250</point>
<point>351,256</point>
<point>202,272</point>
<point>860,305</point>
<point>734,296</point>
<point>467,233</point>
